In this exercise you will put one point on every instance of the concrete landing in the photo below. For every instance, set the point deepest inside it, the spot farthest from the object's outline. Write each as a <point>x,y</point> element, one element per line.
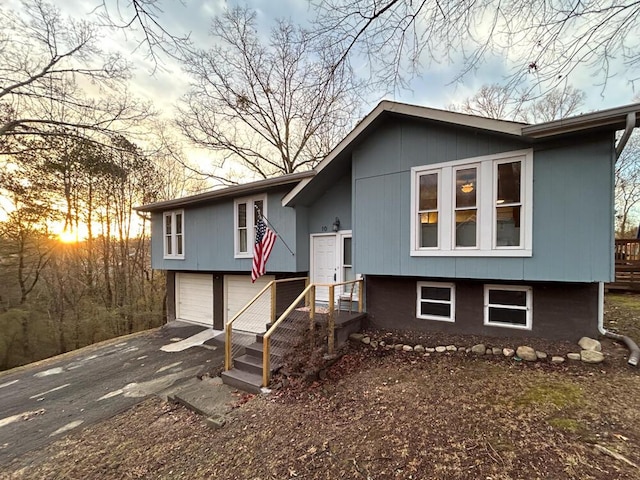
<point>208,397</point>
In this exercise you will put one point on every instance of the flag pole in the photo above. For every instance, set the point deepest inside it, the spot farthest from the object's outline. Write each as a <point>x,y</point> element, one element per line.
<point>273,228</point>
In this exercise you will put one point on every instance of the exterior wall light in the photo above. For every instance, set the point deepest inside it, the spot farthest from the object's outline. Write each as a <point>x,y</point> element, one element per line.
<point>336,225</point>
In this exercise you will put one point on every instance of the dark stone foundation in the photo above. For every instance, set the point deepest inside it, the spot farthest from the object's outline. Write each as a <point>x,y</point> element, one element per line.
<point>561,311</point>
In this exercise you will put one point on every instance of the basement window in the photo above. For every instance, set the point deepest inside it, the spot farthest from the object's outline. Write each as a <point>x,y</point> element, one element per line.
<point>436,301</point>
<point>508,306</point>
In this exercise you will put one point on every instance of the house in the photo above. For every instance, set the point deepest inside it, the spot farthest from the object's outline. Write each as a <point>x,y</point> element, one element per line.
<point>457,224</point>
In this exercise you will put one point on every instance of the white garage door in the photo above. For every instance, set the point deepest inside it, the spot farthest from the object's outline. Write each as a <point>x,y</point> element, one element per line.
<point>239,291</point>
<point>194,298</point>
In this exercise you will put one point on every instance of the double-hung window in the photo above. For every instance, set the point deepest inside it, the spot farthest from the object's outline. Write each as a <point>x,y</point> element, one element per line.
<point>480,206</point>
<point>173,227</point>
<point>428,209</point>
<point>246,214</point>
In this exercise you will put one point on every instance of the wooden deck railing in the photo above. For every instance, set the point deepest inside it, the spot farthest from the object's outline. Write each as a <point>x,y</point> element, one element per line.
<point>627,250</point>
<point>627,263</point>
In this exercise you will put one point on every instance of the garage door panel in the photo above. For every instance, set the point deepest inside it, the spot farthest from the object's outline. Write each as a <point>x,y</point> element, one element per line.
<point>194,298</point>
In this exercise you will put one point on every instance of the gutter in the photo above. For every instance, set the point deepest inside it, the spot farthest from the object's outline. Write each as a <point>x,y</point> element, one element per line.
<point>634,351</point>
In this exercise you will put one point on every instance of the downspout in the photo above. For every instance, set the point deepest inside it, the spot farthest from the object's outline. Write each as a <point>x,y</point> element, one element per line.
<point>634,351</point>
<point>631,123</point>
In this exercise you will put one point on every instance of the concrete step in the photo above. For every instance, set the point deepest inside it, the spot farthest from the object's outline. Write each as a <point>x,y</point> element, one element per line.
<point>248,363</point>
<point>248,382</point>
<point>208,397</point>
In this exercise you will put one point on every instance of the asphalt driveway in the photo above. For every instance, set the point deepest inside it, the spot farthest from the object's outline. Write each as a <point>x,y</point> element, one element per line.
<point>41,402</point>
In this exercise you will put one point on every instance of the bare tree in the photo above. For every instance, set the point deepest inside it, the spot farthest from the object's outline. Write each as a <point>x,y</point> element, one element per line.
<point>273,104</point>
<point>494,101</point>
<point>507,103</point>
<point>56,80</point>
<point>145,18</point>
<point>547,39</point>
<point>627,188</point>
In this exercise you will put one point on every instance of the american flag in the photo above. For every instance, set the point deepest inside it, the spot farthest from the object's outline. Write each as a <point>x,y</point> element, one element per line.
<point>265,240</point>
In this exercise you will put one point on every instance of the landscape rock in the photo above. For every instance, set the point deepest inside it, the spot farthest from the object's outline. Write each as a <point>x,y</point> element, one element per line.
<point>573,356</point>
<point>382,343</point>
<point>496,350</point>
<point>418,348</point>
<point>488,351</point>
<point>557,359</point>
<point>441,348</point>
<point>366,340</point>
<point>407,348</point>
<point>479,349</point>
<point>356,336</point>
<point>429,349</point>
<point>591,356</point>
<point>451,348</point>
<point>398,346</point>
<point>541,355</point>
<point>462,349</point>
<point>526,353</point>
<point>508,352</point>
<point>374,344</point>
<point>587,343</point>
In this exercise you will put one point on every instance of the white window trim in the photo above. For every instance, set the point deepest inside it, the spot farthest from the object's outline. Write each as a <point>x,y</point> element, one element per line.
<point>513,288</point>
<point>250,224</point>
<point>452,302</point>
<point>174,235</point>
<point>484,203</point>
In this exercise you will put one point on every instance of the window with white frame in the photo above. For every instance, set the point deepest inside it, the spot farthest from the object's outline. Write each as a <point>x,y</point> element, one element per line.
<point>480,206</point>
<point>173,227</point>
<point>245,219</point>
<point>508,306</point>
<point>436,301</point>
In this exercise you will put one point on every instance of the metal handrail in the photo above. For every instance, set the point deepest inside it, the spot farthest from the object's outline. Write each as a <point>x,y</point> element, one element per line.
<point>229,325</point>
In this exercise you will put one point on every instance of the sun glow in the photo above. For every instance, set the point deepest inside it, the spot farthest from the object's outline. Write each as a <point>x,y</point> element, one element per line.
<point>68,236</point>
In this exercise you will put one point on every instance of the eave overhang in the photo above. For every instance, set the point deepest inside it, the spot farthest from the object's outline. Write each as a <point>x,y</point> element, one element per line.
<point>227,192</point>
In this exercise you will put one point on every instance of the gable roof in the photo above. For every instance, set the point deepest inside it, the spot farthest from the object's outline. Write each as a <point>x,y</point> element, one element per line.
<point>611,119</point>
<point>228,192</point>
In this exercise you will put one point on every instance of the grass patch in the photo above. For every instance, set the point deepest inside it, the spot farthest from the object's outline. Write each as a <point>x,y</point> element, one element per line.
<point>558,394</point>
<point>629,301</point>
<point>568,424</point>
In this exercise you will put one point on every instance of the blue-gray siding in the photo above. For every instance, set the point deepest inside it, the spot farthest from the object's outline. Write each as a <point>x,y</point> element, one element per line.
<point>572,209</point>
<point>334,203</point>
<point>209,237</point>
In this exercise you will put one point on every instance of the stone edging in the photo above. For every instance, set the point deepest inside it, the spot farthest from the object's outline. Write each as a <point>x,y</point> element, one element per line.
<point>590,350</point>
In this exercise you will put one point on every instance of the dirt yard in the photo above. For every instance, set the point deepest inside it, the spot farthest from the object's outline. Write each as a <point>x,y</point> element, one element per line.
<point>384,415</point>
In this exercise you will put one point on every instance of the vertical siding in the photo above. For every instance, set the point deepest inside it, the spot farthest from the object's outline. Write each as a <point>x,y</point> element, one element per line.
<point>335,202</point>
<point>209,237</point>
<point>573,212</point>
<point>572,209</point>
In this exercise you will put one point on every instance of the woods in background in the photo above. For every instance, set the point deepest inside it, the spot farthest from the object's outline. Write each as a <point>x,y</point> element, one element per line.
<point>74,255</point>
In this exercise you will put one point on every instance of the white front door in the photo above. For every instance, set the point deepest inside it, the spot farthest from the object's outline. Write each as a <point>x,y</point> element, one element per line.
<point>324,263</point>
